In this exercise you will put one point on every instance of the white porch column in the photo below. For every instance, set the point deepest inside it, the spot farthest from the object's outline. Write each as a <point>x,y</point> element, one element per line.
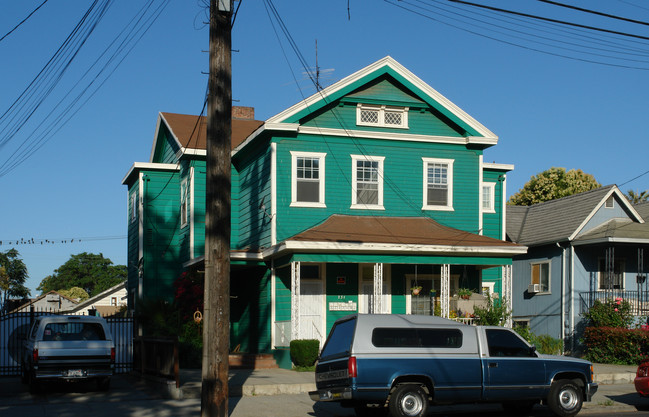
<point>295,300</point>
<point>445,294</point>
<point>507,292</point>
<point>376,307</point>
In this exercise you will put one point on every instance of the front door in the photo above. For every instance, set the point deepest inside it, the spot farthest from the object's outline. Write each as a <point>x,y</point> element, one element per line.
<point>311,310</point>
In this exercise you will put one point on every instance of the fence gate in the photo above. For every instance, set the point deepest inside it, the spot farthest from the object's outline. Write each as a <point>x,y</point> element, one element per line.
<point>14,327</point>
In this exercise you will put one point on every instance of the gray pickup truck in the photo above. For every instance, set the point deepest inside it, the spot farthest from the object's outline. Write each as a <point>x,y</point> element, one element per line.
<point>69,348</point>
<point>401,364</point>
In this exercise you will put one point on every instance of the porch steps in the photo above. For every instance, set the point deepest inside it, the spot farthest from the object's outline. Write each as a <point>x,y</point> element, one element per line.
<point>252,361</point>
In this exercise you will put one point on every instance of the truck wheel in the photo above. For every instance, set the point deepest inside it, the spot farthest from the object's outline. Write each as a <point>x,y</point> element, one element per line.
<point>566,398</point>
<point>409,400</point>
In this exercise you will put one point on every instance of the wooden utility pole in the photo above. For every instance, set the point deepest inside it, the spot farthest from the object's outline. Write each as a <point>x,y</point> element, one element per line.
<point>216,310</point>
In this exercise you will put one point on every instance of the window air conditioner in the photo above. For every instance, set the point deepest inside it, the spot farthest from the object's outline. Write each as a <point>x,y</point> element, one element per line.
<point>532,288</point>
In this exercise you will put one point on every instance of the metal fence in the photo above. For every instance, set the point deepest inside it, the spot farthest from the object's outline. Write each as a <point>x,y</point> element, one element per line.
<point>638,300</point>
<point>14,327</point>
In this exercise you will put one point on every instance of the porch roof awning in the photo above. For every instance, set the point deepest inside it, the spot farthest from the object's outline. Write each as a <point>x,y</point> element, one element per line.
<point>394,235</point>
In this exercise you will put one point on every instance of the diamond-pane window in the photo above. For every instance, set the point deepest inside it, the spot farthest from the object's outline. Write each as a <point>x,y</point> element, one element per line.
<point>382,116</point>
<point>392,118</point>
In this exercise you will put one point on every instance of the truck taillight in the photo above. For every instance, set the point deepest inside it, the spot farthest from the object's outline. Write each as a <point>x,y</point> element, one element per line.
<point>352,370</point>
<point>112,354</point>
<point>35,355</point>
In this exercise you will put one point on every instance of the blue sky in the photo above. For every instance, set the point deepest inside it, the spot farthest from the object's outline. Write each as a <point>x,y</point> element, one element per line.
<point>547,110</point>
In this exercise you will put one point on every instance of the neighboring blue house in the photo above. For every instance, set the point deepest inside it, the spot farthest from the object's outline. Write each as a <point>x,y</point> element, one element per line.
<point>342,203</point>
<point>585,247</point>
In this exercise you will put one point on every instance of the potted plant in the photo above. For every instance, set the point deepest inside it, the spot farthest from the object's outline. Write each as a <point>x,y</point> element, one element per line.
<point>433,292</point>
<point>415,290</point>
<point>464,293</point>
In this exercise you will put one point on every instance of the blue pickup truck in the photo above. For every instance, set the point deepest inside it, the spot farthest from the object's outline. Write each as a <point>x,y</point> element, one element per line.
<point>401,364</point>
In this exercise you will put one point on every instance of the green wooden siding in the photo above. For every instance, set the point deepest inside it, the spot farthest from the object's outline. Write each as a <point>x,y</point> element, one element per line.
<point>492,225</point>
<point>403,181</point>
<point>133,242</point>
<point>161,240</point>
<point>337,293</point>
<point>199,207</point>
<point>420,122</point>
<point>283,294</point>
<point>166,147</point>
<point>250,310</point>
<point>253,201</point>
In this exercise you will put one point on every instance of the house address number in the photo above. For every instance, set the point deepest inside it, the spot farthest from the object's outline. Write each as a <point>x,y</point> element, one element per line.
<point>341,306</point>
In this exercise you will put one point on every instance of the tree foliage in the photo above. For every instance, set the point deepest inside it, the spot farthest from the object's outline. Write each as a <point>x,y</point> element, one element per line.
<point>552,184</point>
<point>75,293</point>
<point>93,273</point>
<point>13,275</point>
<point>637,197</point>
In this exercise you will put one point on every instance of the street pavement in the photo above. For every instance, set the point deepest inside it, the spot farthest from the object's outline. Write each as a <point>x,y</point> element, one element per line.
<point>262,393</point>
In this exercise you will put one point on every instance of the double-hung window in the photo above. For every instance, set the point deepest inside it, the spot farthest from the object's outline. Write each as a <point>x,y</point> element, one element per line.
<point>541,276</point>
<point>488,197</point>
<point>367,182</point>
<point>184,202</point>
<point>308,179</point>
<point>133,206</point>
<point>382,116</point>
<point>438,184</point>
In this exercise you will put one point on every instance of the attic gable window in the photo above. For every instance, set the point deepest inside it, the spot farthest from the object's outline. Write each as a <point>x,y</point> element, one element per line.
<point>382,116</point>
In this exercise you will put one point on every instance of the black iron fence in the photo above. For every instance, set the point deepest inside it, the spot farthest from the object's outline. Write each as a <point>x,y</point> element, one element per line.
<point>638,300</point>
<point>14,327</point>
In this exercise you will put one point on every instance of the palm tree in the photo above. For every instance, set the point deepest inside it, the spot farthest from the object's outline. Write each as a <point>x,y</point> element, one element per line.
<point>636,198</point>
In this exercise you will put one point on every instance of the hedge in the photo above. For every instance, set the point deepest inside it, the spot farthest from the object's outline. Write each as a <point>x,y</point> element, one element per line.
<point>304,352</point>
<point>616,345</point>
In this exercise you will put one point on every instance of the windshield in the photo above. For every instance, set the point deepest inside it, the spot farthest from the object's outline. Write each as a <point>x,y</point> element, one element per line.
<point>340,339</point>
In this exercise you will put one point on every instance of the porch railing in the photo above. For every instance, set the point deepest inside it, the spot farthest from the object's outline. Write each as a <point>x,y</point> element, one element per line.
<point>638,300</point>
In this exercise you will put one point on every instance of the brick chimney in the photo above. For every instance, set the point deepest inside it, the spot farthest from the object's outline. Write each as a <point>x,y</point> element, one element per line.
<point>243,113</point>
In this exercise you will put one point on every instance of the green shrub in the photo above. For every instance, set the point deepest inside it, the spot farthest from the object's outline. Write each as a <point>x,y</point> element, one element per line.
<point>611,313</point>
<point>494,314</point>
<point>304,352</point>
<point>544,343</point>
<point>616,345</point>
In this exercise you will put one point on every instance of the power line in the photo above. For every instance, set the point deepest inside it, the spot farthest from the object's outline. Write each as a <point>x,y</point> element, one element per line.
<point>57,241</point>
<point>23,21</point>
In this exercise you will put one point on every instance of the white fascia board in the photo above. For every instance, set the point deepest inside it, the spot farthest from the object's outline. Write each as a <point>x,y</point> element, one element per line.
<point>610,240</point>
<point>246,256</point>
<point>624,201</point>
<point>155,135</point>
<point>283,127</point>
<point>190,152</point>
<point>391,248</point>
<point>404,72</point>
<point>455,140</point>
<point>137,166</point>
<point>499,167</point>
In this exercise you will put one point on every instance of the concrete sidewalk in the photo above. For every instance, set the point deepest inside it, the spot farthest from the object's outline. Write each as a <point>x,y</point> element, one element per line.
<point>249,382</point>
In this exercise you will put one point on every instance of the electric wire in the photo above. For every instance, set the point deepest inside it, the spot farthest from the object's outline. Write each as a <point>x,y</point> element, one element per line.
<point>24,20</point>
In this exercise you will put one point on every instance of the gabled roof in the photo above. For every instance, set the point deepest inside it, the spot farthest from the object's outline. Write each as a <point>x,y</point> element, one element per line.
<point>40,297</point>
<point>92,300</point>
<point>416,235</point>
<point>400,73</point>
<point>562,219</point>
<point>190,131</point>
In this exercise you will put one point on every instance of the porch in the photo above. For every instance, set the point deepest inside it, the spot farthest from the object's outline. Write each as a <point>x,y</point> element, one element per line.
<point>638,300</point>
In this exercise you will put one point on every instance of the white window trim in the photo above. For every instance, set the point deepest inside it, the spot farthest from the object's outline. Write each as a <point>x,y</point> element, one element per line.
<point>382,110</point>
<point>492,197</point>
<point>549,264</point>
<point>449,203</point>
<point>321,157</point>
<point>378,159</point>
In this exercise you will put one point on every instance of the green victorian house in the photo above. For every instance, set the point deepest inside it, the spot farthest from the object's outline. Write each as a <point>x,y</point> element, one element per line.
<point>343,203</point>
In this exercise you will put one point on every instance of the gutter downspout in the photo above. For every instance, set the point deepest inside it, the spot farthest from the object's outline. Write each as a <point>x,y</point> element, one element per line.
<point>563,294</point>
<point>572,297</point>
